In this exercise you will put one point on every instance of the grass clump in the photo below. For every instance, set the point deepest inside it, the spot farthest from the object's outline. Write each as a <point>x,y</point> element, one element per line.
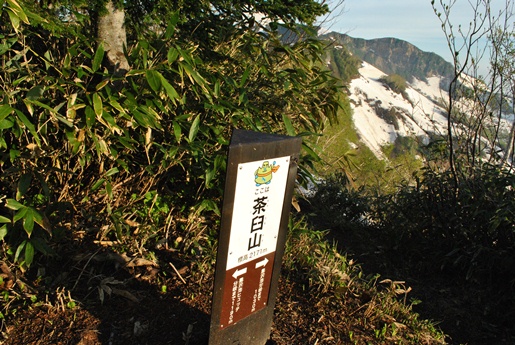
<point>347,306</point>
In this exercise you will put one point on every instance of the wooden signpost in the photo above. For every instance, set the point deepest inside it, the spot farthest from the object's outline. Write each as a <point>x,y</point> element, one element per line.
<point>261,174</point>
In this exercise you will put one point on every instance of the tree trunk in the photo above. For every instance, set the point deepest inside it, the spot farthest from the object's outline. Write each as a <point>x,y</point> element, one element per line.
<point>111,32</point>
<point>509,149</point>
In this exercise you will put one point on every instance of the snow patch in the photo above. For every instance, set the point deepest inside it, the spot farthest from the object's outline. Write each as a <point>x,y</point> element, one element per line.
<point>419,115</point>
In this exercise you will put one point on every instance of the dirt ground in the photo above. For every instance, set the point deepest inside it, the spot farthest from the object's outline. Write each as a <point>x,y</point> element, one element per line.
<point>89,295</point>
<point>148,307</point>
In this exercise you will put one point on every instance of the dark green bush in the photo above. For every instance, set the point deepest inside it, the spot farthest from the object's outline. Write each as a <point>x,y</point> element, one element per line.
<point>336,204</point>
<point>404,146</point>
<point>432,230</point>
<point>73,133</point>
<point>468,232</point>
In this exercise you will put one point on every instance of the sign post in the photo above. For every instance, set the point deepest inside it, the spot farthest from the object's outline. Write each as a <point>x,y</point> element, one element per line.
<point>261,174</point>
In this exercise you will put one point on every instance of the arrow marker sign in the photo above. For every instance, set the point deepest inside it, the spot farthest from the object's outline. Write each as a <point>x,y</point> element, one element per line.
<point>247,288</point>
<point>239,273</point>
<point>256,217</point>
<point>262,263</point>
<point>260,182</point>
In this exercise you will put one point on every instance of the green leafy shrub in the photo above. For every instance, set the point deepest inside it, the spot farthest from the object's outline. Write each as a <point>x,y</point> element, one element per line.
<point>92,140</point>
<point>468,232</point>
<point>343,64</point>
<point>339,204</point>
<point>404,145</point>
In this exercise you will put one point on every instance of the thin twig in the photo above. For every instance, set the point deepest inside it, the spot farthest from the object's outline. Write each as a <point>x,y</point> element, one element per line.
<point>177,272</point>
<point>84,268</point>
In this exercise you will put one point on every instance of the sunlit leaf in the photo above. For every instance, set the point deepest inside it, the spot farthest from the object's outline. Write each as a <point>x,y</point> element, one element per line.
<point>5,110</point>
<point>245,77</point>
<point>110,121</point>
<point>90,116</point>
<point>13,204</point>
<point>17,10</point>
<point>72,110</point>
<point>64,120</point>
<point>15,20</point>
<point>6,123</point>
<point>134,72</point>
<point>194,129</point>
<point>70,135</point>
<point>102,84</point>
<point>170,90</point>
<point>29,126</point>
<point>99,56</point>
<point>22,213</point>
<point>112,171</point>
<point>35,93</point>
<point>3,232</point>
<point>127,142</point>
<point>115,104</point>
<point>14,154</point>
<point>172,55</point>
<point>210,173</point>
<point>97,104</point>
<point>177,131</point>
<point>98,184</point>
<point>28,222</point>
<point>310,151</point>
<point>42,221</point>
<point>172,22</point>
<point>19,250</point>
<point>102,147</point>
<point>194,76</point>
<point>288,124</point>
<point>154,79</point>
<point>109,189</point>
<point>29,253</point>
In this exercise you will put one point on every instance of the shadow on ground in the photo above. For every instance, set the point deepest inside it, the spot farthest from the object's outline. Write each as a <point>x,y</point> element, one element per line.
<point>455,306</point>
<point>94,296</point>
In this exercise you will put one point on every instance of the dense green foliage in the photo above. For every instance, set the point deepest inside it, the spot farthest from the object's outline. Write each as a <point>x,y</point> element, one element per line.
<point>139,159</point>
<point>77,141</point>
<point>428,233</point>
<point>344,65</point>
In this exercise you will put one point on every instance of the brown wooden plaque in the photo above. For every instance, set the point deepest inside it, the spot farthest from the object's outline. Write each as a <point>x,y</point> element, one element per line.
<point>261,174</point>
<point>246,289</point>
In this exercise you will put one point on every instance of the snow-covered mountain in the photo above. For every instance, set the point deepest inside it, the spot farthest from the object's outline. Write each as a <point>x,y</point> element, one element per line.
<point>381,115</point>
<point>397,90</point>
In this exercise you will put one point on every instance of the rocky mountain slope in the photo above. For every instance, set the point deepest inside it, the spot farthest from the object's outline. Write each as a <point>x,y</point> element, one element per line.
<point>392,55</point>
<point>382,115</point>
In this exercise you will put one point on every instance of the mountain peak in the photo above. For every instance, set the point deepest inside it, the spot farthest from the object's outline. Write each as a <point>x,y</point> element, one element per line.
<point>395,56</point>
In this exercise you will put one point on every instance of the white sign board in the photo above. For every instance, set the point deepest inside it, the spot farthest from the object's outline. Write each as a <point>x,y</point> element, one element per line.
<point>258,205</point>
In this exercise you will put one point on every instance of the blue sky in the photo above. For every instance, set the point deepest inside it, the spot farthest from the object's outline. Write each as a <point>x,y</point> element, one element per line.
<point>410,20</point>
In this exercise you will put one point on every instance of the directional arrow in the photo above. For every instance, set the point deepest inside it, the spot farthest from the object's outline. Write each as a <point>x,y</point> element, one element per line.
<point>238,273</point>
<point>262,263</point>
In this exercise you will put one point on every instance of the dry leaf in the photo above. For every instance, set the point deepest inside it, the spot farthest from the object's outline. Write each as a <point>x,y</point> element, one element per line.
<point>138,262</point>
<point>131,223</point>
<point>126,294</point>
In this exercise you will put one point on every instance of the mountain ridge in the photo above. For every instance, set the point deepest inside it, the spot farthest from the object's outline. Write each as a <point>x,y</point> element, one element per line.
<point>394,56</point>
<point>383,114</point>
